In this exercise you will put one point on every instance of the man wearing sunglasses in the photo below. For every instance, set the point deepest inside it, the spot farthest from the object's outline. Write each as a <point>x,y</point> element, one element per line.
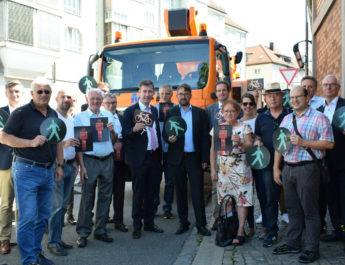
<point>33,171</point>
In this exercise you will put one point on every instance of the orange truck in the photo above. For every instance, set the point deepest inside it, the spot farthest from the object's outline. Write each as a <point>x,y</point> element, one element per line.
<point>187,55</point>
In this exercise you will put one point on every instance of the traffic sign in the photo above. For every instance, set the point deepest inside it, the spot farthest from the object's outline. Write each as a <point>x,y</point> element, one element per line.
<point>289,74</point>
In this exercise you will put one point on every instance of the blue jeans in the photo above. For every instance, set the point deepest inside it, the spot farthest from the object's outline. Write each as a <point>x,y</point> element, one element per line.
<point>33,191</point>
<point>61,194</point>
<point>268,194</point>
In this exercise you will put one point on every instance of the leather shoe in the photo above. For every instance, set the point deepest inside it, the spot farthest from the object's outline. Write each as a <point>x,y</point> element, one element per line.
<point>57,250</point>
<point>104,237</point>
<point>81,242</point>
<point>136,234</point>
<point>65,246</point>
<point>202,230</point>
<point>167,214</point>
<point>5,247</point>
<point>183,228</point>
<point>330,238</point>
<point>110,220</point>
<point>153,228</point>
<point>71,220</point>
<point>121,227</point>
<point>214,226</point>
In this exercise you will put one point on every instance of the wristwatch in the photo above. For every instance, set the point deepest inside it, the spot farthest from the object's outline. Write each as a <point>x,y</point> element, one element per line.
<point>60,165</point>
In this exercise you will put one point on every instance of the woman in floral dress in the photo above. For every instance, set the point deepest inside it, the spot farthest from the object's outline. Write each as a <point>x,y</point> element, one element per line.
<point>234,175</point>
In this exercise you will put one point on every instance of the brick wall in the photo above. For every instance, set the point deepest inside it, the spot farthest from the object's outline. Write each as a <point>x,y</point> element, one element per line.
<point>318,4</point>
<point>328,44</point>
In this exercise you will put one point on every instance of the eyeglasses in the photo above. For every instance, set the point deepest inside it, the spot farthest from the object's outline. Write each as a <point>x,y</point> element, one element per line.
<point>110,103</point>
<point>40,92</point>
<point>332,85</point>
<point>297,97</point>
<point>248,104</point>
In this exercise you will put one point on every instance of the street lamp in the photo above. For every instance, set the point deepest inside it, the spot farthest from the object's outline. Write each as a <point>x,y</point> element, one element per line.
<point>299,57</point>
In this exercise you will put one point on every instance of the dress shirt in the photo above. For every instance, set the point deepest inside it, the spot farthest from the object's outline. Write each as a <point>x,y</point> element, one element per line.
<point>117,126</point>
<point>330,108</point>
<point>69,151</point>
<point>316,102</point>
<point>312,125</point>
<point>188,136</point>
<point>99,148</point>
<point>149,147</point>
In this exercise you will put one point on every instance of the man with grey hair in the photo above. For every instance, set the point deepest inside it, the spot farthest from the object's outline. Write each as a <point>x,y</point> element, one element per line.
<point>95,167</point>
<point>335,189</point>
<point>33,171</point>
<point>14,93</point>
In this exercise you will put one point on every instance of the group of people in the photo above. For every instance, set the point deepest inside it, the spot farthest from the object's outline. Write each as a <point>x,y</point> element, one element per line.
<point>146,150</point>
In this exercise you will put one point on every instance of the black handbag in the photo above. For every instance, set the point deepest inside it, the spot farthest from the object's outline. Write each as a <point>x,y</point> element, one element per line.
<point>322,164</point>
<point>227,226</point>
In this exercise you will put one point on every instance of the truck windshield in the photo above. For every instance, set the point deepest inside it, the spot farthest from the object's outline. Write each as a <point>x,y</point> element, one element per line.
<point>165,63</point>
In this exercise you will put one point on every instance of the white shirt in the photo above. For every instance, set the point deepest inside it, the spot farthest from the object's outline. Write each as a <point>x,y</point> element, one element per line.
<point>117,126</point>
<point>149,147</point>
<point>330,109</point>
<point>316,102</point>
<point>68,152</point>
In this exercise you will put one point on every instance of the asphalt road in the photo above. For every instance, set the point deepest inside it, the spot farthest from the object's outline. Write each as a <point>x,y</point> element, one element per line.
<point>150,249</point>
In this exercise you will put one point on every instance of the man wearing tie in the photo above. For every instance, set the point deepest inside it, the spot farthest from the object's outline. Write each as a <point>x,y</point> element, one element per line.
<point>143,155</point>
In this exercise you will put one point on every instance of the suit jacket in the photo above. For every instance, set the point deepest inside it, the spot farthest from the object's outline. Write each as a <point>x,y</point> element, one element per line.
<point>211,112</point>
<point>6,151</point>
<point>136,143</point>
<point>335,156</point>
<point>200,137</point>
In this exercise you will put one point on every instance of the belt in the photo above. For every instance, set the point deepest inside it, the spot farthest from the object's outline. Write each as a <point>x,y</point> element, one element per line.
<point>299,164</point>
<point>101,158</point>
<point>33,163</point>
<point>68,161</point>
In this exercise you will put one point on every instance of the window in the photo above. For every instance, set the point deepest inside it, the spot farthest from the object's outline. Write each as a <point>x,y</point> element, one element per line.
<point>72,6</point>
<point>72,39</point>
<point>257,71</point>
<point>2,25</point>
<point>149,20</point>
<point>47,28</point>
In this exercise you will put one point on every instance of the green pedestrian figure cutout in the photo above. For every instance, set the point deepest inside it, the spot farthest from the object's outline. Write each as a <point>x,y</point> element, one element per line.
<point>88,84</point>
<point>54,128</point>
<point>286,100</point>
<point>2,125</point>
<point>342,116</point>
<point>259,156</point>
<point>174,126</point>
<point>282,139</point>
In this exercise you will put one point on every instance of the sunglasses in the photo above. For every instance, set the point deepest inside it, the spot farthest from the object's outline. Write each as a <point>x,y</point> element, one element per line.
<point>40,92</point>
<point>248,104</point>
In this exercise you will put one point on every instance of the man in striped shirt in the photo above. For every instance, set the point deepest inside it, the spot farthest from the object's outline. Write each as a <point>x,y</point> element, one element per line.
<point>301,174</point>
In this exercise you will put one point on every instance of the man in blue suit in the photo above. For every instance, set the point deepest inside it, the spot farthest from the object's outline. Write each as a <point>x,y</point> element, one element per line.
<point>14,93</point>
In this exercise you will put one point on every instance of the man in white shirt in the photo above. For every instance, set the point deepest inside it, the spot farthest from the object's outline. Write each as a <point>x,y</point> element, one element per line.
<point>310,84</point>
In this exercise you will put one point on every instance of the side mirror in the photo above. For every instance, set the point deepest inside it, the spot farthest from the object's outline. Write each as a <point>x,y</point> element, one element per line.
<point>238,57</point>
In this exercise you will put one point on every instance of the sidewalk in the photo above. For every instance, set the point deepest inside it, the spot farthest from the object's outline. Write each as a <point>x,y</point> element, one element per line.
<point>253,253</point>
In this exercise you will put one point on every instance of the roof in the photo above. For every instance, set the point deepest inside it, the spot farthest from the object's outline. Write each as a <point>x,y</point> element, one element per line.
<point>216,7</point>
<point>231,23</point>
<point>263,55</point>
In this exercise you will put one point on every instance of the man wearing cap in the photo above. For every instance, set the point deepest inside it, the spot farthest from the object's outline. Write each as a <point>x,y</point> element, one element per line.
<point>33,171</point>
<point>62,190</point>
<point>14,93</point>
<point>268,191</point>
<point>311,134</point>
<point>96,166</point>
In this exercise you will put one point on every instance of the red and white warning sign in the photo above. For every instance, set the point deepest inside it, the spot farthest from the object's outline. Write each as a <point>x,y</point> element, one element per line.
<point>289,74</point>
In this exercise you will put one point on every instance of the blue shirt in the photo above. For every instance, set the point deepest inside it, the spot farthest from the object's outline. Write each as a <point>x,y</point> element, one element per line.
<point>165,145</point>
<point>315,102</point>
<point>99,148</point>
<point>188,136</point>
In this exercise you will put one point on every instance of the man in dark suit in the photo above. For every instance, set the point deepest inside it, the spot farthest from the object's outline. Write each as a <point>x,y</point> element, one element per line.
<point>335,189</point>
<point>189,155</point>
<point>143,155</point>
<point>14,93</point>
<point>213,112</point>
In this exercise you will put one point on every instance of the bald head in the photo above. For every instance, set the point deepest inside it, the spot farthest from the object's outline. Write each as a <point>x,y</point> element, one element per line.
<point>298,99</point>
<point>64,100</point>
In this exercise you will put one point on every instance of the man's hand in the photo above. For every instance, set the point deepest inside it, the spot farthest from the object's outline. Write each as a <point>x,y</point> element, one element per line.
<point>236,138</point>
<point>138,127</point>
<point>39,140</point>
<point>172,139</point>
<point>71,142</point>
<point>276,175</point>
<point>58,174</point>
<point>110,127</point>
<point>297,140</point>
<point>83,174</point>
<point>258,142</point>
<point>204,165</point>
<point>214,176</point>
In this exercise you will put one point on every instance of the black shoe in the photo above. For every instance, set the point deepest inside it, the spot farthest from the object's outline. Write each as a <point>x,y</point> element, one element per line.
<point>65,246</point>
<point>121,227</point>
<point>57,250</point>
<point>309,256</point>
<point>214,226</point>
<point>285,249</point>
<point>167,214</point>
<point>330,238</point>
<point>269,240</point>
<point>153,228</point>
<point>136,234</point>
<point>71,220</point>
<point>110,220</point>
<point>81,242</point>
<point>42,260</point>
<point>183,228</point>
<point>104,237</point>
<point>202,230</point>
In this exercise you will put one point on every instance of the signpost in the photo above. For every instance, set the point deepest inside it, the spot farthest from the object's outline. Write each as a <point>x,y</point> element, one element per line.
<point>289,74</point>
